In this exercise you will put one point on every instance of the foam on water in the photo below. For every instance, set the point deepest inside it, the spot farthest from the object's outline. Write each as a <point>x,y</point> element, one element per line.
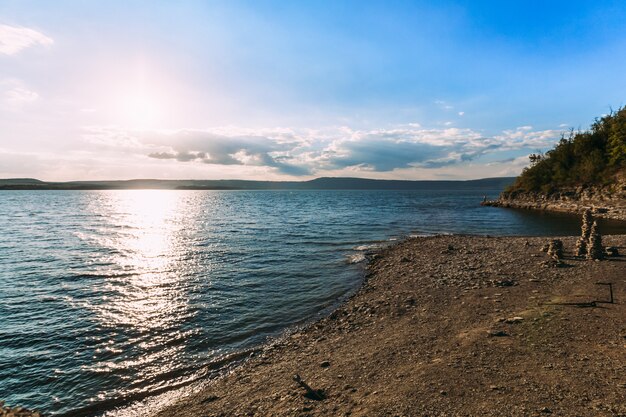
<point>356,258</point>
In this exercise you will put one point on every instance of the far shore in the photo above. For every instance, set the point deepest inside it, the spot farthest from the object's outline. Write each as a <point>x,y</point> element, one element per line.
<point>448,325</point>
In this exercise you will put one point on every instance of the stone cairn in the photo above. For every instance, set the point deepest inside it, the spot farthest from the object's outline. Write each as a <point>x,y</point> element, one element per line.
<point>555,249</point>
<point>594,245</point>
<point>582,243</point>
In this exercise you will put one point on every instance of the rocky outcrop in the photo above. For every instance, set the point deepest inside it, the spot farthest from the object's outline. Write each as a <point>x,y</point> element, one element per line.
<point>604,201</point>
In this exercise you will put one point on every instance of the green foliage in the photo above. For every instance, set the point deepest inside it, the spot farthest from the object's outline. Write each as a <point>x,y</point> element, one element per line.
<point>583,158</point>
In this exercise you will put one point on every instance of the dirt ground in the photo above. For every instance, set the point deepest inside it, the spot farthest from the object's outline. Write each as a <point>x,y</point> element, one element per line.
<point>449,325</point>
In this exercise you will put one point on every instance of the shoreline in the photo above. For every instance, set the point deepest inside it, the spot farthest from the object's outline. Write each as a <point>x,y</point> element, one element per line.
<point>608,202</point>
<point>601,211</point>
<point>414,339</point>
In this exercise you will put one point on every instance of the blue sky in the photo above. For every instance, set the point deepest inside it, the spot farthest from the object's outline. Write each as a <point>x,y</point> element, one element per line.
<point>283,90</point>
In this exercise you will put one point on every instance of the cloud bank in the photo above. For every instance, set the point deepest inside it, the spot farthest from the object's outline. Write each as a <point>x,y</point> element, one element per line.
<point>301,152</point>
<point>13,39</point>
<point>213,148</point>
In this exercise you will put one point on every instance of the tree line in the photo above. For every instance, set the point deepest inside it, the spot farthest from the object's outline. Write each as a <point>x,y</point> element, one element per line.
<point>591,157</point>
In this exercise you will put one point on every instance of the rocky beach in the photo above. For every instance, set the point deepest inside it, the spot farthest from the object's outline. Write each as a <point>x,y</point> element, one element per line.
<point>448,325</point>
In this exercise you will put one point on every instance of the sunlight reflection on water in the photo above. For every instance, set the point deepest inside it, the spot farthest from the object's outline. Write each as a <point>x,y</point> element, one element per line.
<point>150,297</point>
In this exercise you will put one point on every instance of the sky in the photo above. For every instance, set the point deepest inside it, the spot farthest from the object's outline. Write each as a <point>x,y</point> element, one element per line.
<point>283,90</point>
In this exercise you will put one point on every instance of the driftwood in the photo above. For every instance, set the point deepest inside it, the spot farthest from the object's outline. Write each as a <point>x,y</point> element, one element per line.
<point>317,395</point>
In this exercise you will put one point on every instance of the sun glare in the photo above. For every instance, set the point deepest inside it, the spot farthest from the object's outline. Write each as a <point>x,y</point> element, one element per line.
<point>141,109</point>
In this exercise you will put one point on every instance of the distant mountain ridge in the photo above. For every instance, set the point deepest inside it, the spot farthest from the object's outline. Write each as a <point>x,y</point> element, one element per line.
<point>323,183</point>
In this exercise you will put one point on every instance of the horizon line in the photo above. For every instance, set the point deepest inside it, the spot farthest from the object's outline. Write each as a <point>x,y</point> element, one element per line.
<point>250,180</point>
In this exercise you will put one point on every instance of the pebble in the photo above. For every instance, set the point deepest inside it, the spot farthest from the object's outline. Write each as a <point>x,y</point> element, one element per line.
<point>496,333</point>
<point>513,320</point>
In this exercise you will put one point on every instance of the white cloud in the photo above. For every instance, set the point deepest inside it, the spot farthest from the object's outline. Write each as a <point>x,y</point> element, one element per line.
<point>19,95</point>
<point>15,38</point>
<point>14,94</point>
<point>519,139</point>
<point>461,113</point>
<point>444,105</point>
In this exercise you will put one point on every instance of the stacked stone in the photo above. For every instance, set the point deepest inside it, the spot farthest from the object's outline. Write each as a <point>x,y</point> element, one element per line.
<point>582,243</point>
<point>581,247</point>
<point>594,245</point>
<point>555,249</point>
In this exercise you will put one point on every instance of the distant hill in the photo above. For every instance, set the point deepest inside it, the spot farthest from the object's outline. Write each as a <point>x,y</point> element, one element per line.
<point>316,184</point>
<point>20,181</point>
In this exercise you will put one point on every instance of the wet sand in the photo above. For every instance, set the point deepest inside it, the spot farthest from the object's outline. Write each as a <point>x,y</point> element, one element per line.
<point>448,325</point>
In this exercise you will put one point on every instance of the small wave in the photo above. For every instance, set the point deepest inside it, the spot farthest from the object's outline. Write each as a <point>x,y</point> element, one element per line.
<point>430,234</point>
<point>179,384</point>
<point>98,276</point>
<point>368,247</point>
<point>415,235</point>
<point>356,258</point>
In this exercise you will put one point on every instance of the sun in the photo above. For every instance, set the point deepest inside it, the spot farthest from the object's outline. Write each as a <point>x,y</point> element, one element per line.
<point>141,109</point>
